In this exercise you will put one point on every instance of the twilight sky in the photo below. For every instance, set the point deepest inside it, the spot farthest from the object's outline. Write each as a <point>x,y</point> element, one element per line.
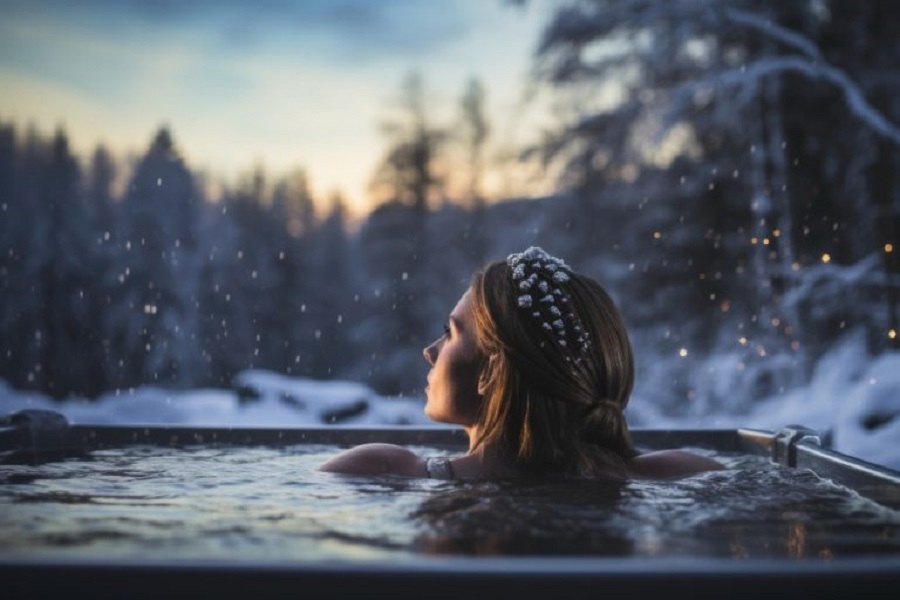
<point>283,82</point>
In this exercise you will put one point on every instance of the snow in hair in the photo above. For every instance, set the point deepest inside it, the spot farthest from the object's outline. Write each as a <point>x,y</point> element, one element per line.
<point>536,268</point>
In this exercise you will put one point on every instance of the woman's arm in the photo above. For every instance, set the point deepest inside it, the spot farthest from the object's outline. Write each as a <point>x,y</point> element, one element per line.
<point>376,459</point>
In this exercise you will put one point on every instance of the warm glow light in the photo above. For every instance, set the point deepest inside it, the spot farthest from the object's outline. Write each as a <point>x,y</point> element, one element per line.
<point>326,121</point>
<point>753,240</point>
<point>888,247</point>
<point>795,266</point>
<point>892,333</point>
<point>657,235</point>
<point>776,232</point>
<point>683,352</point>
<point>826,258</point>
<point>796,540</point>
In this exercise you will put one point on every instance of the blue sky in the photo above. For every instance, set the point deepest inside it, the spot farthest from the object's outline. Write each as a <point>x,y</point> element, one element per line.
<point>286,83</point>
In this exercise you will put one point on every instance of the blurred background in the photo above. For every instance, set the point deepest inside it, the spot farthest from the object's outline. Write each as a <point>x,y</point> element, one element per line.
<point>191,190</point>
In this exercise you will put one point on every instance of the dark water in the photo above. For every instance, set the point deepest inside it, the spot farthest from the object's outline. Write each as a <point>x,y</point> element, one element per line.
<point>271,503</point>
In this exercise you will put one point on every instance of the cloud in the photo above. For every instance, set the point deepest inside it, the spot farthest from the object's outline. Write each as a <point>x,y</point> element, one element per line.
<point>340,30</point>
<point>285,83</point>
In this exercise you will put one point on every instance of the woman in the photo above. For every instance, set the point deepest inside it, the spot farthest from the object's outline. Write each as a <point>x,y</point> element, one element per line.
<point>535,364</point>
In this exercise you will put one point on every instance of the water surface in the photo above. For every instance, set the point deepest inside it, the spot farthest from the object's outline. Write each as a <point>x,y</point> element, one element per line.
<point>254,503</point>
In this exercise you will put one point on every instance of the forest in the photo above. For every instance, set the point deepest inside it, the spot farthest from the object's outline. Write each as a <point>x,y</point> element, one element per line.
<point>726,169</point>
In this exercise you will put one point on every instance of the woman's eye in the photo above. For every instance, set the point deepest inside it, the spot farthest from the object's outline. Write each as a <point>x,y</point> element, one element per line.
<point>446,329</point>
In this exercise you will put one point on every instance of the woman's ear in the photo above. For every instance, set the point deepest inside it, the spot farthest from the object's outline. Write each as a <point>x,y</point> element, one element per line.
<point>487,373</point>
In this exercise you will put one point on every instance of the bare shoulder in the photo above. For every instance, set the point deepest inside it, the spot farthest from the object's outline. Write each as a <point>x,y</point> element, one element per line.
<point>663,464</point>
<point>376,459</point>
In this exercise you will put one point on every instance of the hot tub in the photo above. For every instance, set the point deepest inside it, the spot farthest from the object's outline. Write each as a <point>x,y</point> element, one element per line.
<point>72,494</point>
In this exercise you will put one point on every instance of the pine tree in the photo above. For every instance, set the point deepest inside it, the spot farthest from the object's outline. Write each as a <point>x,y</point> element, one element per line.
<point>153,313</point>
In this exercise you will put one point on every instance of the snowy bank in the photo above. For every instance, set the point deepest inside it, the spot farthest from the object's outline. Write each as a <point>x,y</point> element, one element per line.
<point>853,402</point>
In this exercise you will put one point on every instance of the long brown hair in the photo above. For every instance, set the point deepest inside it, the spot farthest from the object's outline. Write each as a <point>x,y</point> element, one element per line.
<point>547,407</point>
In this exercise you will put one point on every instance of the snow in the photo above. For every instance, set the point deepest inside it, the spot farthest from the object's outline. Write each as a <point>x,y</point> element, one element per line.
<point>851,399</point>
<point>854,402</point>
<point>260,399</point>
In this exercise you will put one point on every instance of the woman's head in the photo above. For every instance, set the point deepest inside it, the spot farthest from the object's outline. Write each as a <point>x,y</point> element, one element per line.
<point>554,363</point>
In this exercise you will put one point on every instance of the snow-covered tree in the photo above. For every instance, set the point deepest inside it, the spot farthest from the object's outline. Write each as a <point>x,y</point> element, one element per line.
<point>474,132</point>
<point>756,118</point>
<point>152,321</point>
<point>408,172</point>
<point>392,255</point>
<point>336,301</point>
<point>19,319</point>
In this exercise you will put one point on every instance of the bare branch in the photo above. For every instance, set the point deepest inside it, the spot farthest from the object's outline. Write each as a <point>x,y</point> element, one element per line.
<point>751,75</point>
<point>774,30</point>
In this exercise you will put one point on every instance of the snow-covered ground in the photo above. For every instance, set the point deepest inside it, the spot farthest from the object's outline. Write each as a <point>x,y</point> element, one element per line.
<point>852,399</point>
<point>854,402</point>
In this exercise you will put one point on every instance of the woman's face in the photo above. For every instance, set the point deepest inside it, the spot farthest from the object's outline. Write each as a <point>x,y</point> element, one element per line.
<point>452,391</point>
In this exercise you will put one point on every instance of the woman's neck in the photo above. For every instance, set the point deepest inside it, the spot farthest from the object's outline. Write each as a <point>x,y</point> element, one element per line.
<point>483,460</point>
<point>474,435</point>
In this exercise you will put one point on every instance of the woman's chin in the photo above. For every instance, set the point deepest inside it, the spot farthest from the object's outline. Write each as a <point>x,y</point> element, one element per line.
<point>436,417</point>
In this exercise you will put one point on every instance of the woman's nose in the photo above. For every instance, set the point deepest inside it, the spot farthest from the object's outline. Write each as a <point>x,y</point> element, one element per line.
<point>430,353</point>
